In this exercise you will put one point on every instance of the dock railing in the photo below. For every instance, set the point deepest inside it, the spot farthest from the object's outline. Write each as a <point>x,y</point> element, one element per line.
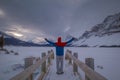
<point>30,67</point>
<point>87,67</point>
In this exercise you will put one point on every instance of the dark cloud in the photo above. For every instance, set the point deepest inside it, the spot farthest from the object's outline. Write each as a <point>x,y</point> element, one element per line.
<point>54,17</point>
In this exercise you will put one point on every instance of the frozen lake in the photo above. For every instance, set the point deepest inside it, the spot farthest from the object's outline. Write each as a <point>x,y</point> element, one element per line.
<point>107,57</point>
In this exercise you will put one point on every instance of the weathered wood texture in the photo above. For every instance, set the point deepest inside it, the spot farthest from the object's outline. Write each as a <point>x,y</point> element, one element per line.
<point>41,76</point>
<point>90,63</point>
<point>49,58</point>
<point>43,67</point>
<point>52,52</point>
<point>70,60</point>
<point>75,67</point>
<point>28,63</point>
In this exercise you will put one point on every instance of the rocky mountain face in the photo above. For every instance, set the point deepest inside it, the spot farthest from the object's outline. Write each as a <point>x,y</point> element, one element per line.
<point>100,34</point>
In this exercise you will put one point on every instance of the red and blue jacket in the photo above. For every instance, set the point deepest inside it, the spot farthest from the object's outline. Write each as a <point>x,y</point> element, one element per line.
<point>59,46</point>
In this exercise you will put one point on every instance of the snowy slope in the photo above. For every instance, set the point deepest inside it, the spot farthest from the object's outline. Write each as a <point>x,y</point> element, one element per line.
<point>111,40</point>
<point>106,33</point>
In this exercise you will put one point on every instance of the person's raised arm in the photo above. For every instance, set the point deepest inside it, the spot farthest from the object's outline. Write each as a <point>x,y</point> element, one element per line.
<point>70,41</point>
<point>50,42</point>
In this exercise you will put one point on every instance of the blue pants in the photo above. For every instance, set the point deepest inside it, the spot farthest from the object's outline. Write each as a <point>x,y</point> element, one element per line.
<point>59,63</point>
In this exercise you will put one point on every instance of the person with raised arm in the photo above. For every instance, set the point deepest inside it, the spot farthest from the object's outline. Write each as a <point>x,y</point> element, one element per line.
<point>59,53</point>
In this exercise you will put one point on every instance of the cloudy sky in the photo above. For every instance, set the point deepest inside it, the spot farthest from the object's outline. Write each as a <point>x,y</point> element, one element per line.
<point>36,19</point>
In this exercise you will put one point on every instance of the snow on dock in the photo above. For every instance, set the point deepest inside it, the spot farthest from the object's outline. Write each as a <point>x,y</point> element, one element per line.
<point>67,75</point>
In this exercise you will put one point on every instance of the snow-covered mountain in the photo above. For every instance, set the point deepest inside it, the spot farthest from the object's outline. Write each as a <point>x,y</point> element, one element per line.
<point>10,40</point>
<point>105,34</point>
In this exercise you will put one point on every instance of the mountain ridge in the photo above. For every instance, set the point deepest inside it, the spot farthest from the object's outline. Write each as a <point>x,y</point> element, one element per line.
<point>10,40</point>
<point>108,28</point>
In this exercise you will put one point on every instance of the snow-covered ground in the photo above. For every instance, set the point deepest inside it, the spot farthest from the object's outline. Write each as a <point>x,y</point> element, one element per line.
<point>106,57</point>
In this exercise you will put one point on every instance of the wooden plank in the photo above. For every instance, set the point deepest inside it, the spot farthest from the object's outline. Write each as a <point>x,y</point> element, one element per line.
<point>41,76</point>
<point>44,74</point>
<point>27,72</point>
<point>88,71</point>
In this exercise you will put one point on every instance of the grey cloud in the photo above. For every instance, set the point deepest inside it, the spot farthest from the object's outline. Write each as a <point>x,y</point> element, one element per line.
<point>54,16</point>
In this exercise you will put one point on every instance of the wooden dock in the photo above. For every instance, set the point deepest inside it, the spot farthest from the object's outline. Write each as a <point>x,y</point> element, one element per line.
<point>68,72</point>
<point>48,68</point>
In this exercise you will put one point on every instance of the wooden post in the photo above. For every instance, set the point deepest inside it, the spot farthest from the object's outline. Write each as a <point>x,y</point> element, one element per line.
<point>75,67</point>
<point>43,67</point>
<point>89,62</point>
<point>49,58</point>
<point>52,54</point>
<point>28,63</point>
<point>70,60</point>
<point>66,56</point>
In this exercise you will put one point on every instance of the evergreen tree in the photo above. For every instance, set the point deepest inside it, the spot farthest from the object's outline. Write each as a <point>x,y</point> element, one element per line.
<point>2,41</point>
